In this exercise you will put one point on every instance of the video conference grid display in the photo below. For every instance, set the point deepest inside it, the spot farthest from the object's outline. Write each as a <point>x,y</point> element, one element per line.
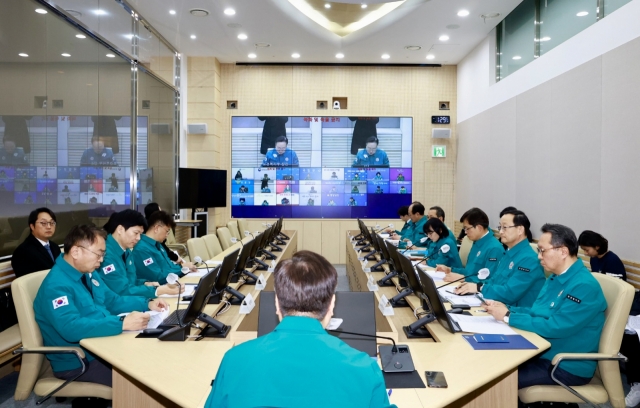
<point>369,182</point>
<point>74,167</point>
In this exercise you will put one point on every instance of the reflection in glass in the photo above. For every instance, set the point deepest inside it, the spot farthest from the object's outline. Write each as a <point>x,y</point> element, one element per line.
<point>516,33</point>
<point>562,19</point>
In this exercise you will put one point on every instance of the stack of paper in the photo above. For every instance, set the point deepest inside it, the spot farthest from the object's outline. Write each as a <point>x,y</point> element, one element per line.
<point>481,324</point>
<point>447,293</point>
<point>436,276</point>
<point>189,288</point>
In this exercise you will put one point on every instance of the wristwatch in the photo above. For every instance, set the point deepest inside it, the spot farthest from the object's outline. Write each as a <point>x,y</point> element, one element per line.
<point>506,317</point>
<point>479,286</point>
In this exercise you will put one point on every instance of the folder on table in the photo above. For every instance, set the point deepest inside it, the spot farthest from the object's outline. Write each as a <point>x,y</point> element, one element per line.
<point>516,342</point>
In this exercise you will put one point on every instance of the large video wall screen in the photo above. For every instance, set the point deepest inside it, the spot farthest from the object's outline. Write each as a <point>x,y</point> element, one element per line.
<point>320,167</point>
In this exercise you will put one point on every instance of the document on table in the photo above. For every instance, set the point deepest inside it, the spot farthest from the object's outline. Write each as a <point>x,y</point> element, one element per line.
<point>436,276</point>
<point>157,318</point>
<point>202,270</point>
<point>481,324</point>
<point>470,300</point>
<point>633,325</point>
<point>189,288</point>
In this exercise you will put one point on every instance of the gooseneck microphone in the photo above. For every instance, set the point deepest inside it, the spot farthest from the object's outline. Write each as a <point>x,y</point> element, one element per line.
<point>172,279</point>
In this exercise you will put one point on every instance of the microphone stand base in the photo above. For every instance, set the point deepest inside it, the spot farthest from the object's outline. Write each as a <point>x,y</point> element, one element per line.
<point>175,333</point>
<point>420,333</point>
<point>399,303</point>
<point>212,332</point>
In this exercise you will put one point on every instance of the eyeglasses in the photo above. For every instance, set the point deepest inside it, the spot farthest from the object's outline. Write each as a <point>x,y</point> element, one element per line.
<point>466,230</point>
<point>430,232</point>
<point>99,255</point>
<point>542,251</point>
<point>44,224</point>
<point>500,227</point>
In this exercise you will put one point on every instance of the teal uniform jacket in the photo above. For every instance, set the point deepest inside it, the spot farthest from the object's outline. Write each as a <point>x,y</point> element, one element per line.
<point>450,258</point>
<point>67,313</point>
<point>569,314</point>
<point>484,253</point>
<point>16,158</point>
<point>299,365</point>
<point>378,159</point>
<point>415,232</point>
<point>518,279</point>
<point>91,158</point>
<point>119,273</point>
<point>288,158</point>
<point>152,262</point>
<point>405,228</point>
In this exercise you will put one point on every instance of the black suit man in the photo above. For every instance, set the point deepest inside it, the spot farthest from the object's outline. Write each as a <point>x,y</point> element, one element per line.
<point>37,252</point>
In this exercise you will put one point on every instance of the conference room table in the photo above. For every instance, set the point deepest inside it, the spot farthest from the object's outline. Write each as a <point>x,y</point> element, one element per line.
<point>475,378</point>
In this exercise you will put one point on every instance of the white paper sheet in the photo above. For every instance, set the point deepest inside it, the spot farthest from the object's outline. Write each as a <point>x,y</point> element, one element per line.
<point>633,325</point>
<point>157,318</point>
<point>456,299</point>
<point>189,288</point>
<point>481,324</point>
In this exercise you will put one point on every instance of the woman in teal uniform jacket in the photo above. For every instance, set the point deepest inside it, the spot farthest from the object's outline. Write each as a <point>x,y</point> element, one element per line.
<point>443,249</point>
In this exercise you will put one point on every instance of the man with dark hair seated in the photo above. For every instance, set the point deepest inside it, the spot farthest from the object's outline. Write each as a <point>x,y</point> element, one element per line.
<point>150,258</point>
<point>37,252</point>
<point>403,213</point>
<point>73,303</point>
<point>568,313</point>
<point>118,269</point>
<point>299,351</point>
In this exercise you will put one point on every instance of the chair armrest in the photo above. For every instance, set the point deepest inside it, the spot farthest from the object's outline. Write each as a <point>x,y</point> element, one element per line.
<point>51,350</point>
<point>179,246</point>
<point>586,356</point>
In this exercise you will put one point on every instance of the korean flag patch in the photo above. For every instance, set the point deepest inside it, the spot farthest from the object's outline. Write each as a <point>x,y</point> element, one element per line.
<point>108,269</point>
<point>59,302</point>
<point>148,261</point>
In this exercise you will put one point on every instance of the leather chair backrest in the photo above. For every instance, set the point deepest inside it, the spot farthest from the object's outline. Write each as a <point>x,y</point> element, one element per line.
<point>24,291</point>
<point>243,226</point>
<point>213,245</point>
<point>619,295</point>
<point>465,247</point>
<point>197,247</point>
<point>225,237</point>
<point>233,229</point>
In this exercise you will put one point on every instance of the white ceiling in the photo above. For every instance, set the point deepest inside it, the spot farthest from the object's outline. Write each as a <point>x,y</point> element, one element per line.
<point>277,22</point>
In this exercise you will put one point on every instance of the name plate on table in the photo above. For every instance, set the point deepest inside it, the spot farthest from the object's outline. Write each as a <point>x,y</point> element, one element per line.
<point>261,283</point>
<point>247,305</point>
<point>272,266</point>
<point>360,257</point>
<point>385,307</point>
<point>371,284</point>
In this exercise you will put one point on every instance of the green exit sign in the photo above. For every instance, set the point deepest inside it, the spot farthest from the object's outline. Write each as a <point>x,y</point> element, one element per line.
<point>438,151</point>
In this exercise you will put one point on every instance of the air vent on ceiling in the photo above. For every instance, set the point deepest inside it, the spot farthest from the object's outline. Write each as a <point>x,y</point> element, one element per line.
<point>199,12</point>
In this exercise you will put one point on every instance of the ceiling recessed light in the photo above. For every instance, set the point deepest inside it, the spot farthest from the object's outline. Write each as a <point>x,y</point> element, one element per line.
<point>172,12</point>
<point>193,37</point>
<point>327,6</point>
<point>364,6</point>
<point>430,56</point>
<point>81,36</point>
<point>385,56</point>
<point>295,55</point>
<point>463,13</point>
<point>229,11</point>
<point>252,55</point>
<point>22,54</point>
<point>340,55</point>
<point>443,38</point>
<point>582,14</point>
<point>517,57</point>
<point>242,37</point>
<point>41,11</point>
<point>64,54</point>
<point>110,56</point>
<point>99,12</point>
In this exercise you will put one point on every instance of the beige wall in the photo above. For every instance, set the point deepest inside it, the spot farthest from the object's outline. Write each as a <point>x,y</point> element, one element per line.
<point>293,91</point>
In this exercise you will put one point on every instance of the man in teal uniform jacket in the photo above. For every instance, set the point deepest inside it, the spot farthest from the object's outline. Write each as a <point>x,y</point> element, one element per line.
<point>486,251</point>
<point>403,213</point>
<point>281,155</point>
<point>443,249</point>
<point>73,303</point>
<point>568,313</point>
<point>117,269</point>
<point>150,258</point>
<point>299,351</point>
<point>415,233</point>
<point>519,276</point>
<point>371,156</point>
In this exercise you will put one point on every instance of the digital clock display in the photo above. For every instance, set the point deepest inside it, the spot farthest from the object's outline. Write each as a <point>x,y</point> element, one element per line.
<point>443,120</point>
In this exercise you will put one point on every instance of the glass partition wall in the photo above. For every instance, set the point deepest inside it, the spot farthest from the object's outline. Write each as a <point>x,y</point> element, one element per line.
<point>85,130</point>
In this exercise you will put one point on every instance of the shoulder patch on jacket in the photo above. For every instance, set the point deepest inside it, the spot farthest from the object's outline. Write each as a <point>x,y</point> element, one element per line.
<point>575,299</point>
<point>520,268</point>
<point>108,269</point>
<point>147,261</point>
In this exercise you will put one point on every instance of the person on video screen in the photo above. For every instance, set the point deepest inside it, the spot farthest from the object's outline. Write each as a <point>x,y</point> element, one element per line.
<point>264,182</point>
<point>239,175</point>
<point>281,155</point>
<point>311,201</point>
<point>313,190</point>
<point>10,155</point>
<point>265,203</point>
<point>98,155</point>
<point>371,155</point>
<point>363,129</point>
<point>352,202</point>
<point>331,203</point>
<point>378,176</point>
<point>378,190</point>
<point>402,190</point>
<point>274,126</point>
<point>355,190</point>
<point>243,201</point>
<point>334,176</point>
<point>400,177</point>
<point>243,189</point>
<point>285,201</point>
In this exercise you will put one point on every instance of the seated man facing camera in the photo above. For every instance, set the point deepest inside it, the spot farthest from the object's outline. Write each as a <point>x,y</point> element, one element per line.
<point>371,156</point>
<point>281,155</point>
<point>299,351</point>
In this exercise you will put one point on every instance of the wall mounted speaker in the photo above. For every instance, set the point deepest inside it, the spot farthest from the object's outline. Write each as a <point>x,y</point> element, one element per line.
<point>197,128</point>
<point>441,133</point>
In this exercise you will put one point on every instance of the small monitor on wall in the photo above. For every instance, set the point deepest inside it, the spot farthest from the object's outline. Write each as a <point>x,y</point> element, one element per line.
<point>202,188</point>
